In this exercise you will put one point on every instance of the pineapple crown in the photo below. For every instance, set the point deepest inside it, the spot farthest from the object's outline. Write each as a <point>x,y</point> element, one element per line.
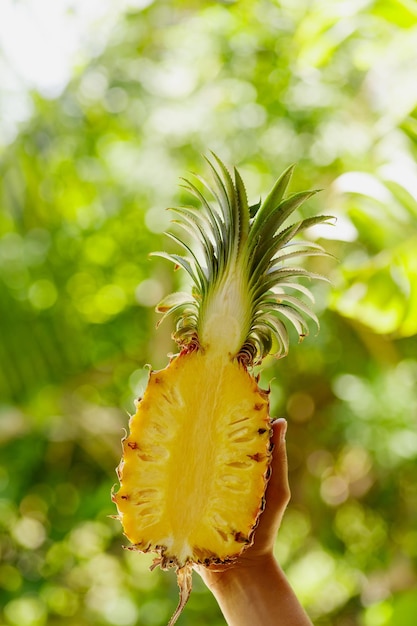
<point>240,268</point>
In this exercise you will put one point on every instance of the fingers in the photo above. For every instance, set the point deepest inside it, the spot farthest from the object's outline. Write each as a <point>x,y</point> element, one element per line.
<point>277,492</point>
<point>278,489</point>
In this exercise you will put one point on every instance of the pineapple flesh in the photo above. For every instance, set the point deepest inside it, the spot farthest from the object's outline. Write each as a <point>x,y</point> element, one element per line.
<point>195,454</point>
<point>196,460</point>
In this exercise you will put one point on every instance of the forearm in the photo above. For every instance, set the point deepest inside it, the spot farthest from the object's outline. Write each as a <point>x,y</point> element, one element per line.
<point>258,595</point>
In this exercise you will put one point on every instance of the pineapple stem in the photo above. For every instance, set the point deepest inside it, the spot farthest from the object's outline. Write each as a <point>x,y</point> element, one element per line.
<point>225,315</point>
<point>185,583</point>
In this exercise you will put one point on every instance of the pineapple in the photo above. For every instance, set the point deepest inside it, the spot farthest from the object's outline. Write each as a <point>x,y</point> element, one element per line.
<point>196,461</point>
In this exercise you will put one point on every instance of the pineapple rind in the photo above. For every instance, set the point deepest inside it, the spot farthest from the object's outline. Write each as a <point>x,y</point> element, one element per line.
<point>195,464</point>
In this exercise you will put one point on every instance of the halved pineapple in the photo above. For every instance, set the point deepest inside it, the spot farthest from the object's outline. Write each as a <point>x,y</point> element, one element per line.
<point>196,461</point>
<point>193,454</point>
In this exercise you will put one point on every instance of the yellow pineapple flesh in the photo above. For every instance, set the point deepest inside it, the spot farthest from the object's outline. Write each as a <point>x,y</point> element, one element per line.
<point>196,460</point>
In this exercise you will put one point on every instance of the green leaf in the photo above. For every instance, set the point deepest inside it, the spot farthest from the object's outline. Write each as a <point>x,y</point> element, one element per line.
<point>272,200</point>
<point>243,211</point>
<point>178,298</point>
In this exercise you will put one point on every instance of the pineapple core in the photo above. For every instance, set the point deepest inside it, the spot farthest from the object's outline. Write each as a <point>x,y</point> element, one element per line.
<point>195,462</point>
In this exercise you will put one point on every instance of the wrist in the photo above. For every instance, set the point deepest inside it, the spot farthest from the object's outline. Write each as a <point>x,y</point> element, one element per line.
<point>240,572</point>
<point>255,592</point>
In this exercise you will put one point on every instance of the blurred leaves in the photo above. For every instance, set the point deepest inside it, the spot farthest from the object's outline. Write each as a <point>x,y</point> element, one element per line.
<point>83,191</point>
<point>379,288</point>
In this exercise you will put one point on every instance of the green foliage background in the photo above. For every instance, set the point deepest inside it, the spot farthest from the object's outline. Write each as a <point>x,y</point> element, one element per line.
<point>83,188</point>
